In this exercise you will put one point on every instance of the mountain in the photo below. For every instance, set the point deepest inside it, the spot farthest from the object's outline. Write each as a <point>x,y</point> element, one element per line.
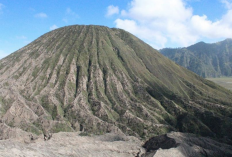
<point>97,80</point>
<point>206,60</point>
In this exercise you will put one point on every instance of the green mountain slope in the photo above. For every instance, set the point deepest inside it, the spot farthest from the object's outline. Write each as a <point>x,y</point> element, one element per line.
<point>206,60</point>
<point>96,79</point>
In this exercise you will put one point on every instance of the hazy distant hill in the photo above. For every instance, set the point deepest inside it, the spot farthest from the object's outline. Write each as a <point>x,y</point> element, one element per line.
<point>96,79</point>
<point>207,60</point>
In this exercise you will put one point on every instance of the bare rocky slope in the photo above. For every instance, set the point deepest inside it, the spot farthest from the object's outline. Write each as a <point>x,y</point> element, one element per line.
<point>99,80</point>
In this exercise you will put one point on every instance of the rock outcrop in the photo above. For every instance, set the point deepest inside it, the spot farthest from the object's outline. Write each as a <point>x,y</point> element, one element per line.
<point>7,132</point>
<point>176,144</point>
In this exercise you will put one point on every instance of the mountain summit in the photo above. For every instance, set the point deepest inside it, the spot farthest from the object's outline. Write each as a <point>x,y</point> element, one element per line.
<point>97,80</point>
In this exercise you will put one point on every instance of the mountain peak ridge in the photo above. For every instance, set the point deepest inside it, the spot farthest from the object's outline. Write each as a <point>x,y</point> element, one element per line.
<point>206,60</point>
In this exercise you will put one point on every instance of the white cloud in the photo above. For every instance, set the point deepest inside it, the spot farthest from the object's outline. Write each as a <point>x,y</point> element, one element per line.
<point>228,3</point>
<point>142,31</point>
<point>41,15</point>
<point>159,9</point>
<point>53,27</point>
<point>160,22</point>
<point>70,15</point>
<point>111,10</point>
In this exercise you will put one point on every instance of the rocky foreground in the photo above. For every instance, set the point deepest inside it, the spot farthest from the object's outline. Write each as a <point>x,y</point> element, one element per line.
<point>76,144</point>
<point>72,145</point>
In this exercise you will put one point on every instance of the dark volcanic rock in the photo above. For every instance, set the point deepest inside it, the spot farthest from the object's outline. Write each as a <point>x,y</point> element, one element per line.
<point>177,144</point>
<point>162,141</point>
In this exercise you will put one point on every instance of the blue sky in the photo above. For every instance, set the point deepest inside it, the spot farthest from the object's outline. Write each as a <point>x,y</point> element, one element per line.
<point>160,23</point>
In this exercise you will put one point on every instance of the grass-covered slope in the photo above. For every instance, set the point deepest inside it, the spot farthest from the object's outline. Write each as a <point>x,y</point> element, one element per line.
<point>98,80</point>
<point>207,60</point>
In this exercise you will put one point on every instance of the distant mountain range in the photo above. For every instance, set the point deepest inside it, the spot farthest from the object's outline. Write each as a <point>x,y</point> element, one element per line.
<point>206,60</point>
